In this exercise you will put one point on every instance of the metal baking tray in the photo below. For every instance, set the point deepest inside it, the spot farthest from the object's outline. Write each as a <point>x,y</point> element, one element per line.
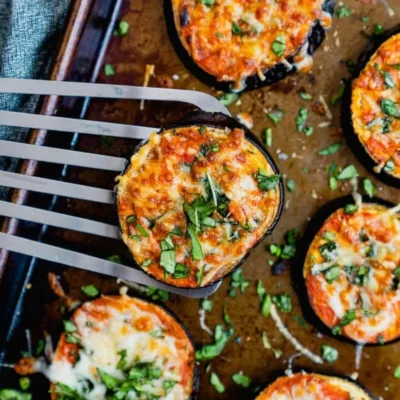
<point>147,42</point>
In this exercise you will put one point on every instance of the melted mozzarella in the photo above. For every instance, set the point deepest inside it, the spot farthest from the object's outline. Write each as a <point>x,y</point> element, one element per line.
<point>102,343</point>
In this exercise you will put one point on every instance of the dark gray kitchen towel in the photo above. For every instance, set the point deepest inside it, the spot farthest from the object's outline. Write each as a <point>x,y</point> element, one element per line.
<point>29,34</point>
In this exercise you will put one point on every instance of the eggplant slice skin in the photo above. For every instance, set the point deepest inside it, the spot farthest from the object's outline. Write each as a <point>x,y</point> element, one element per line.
<point>266,76</point>
<point>91,324</point>
<point>299,383</point>
<point>214,122</point>
<point>356,277</point>
<point>383,76</point>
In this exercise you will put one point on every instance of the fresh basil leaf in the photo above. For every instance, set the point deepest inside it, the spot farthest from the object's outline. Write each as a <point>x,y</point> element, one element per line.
<point>216,383</point>
<point>90,290</point>
<point>241,380</point>
<point>329,354</point>
<point>332,149</point>
<point>348,172</point>
<point>279,46</point>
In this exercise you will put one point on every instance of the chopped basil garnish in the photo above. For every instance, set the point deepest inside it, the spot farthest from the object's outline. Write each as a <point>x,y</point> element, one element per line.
<point>268,137</point>
<point>329,354</point>
<point>216,383</point>
<point>169,385</point>
<point>266,305</point>
<point>132,219</point>
<point>236,29</point>
<point>66,392</point>
<point>210,351</point>
<point>397,372</point>
<point>347,319</point>
<point>202,129</point>
<point>72,339</point>
<point>369,187</point>
<point>389,107</point>
<point>11,394</point>
<point>227,318</point>
<point>332,149</point>
<point>261,290</point>
<point>329,236</point>
<point>208,3</point>
<point>90,290</point>
<point>326,250</point>
<point>241,379</point>
<point>181,271</point>
<point>69,327</point>
<point>275,116</point>
<point>167,259</point>
<point>301,119</point>
<point>348,172</point>
<point>24,383</point>
<point>291,185</point>
<point>332,273</point>
<point>238,281</point>
<point>197,250</point>
<point>350,209</point>
<point>122,363</point>
<point>123,28</point>
<point>147,263</point>
<point>177,231</point>
<point>279,46</point>
<point>200,275</point>
<point>283,301</point>
<point>135,237</point>
<point>108,380</point>
<point>305,96</point>
<point>389,166</point>
<point>109,70</point>
<point>339,94</point>
<point>308,130</point>
<point>378,29</point>
<point>228,98</point>
<point>361,277</point>
<point>266,182</point>
<point>40,348</point>
<point>207,304</point>
<point>343,12</point>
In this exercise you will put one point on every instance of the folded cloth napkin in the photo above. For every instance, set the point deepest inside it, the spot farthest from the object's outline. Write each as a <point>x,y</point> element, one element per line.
<point>29,34</point>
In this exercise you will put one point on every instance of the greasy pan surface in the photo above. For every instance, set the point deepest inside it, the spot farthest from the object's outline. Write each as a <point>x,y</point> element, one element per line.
<point>273,198</point>
<point>147,42</point>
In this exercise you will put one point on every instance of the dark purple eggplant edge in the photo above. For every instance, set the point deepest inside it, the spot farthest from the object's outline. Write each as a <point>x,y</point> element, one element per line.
<point>217,120</point>
<point>296,272</point>
<point>272,75</point>
<point>354,143</point>
<point>297,370</point>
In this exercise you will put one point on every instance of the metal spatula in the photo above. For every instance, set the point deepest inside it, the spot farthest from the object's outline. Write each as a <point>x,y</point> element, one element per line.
<point>81,159</point>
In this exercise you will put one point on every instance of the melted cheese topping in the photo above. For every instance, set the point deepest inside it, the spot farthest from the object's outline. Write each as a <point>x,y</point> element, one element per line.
<point>375,98</point>
<point>204,182</point>
<point>115,328</point>
<point>234,39</point>
<point>352,276</point>
<point>312,387</point>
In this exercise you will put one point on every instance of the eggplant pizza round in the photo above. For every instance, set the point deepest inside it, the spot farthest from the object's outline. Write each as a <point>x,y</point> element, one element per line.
<point>312,386</point>
<point>249,43</point>
<point>352,271</point>
<point>122,348</point>
<point>195,200</point>
<point>375,109</point>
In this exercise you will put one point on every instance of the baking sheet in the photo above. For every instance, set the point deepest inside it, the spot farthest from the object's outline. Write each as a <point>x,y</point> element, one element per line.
<point>147,43</point>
